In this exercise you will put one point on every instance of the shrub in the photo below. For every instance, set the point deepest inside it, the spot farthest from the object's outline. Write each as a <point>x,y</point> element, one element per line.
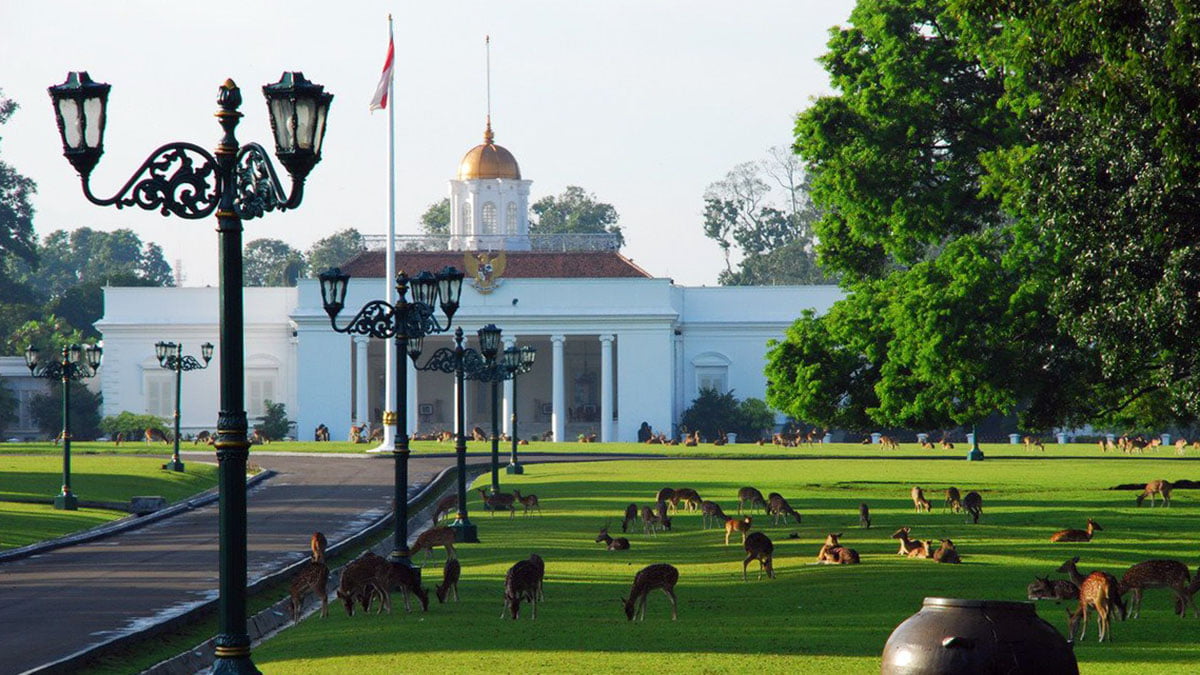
<point>85,411</point>
<point>275,422</point>
<point>713,412</point>
<point>131,424</point>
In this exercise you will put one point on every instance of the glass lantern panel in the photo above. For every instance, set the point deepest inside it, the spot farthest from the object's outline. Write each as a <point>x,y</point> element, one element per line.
<point>68,110</point>
<point>319,133</point>
<point>306,118</point>
<point>281,113</point>
<point>93,115</point>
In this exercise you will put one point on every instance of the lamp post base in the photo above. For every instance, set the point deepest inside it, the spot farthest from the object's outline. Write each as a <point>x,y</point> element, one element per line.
<point>66,502</point>
<point>402,558</point>
<point>174,465</point>
<point>975,455</point>
<point>515,468</point>
<point>465,532</point>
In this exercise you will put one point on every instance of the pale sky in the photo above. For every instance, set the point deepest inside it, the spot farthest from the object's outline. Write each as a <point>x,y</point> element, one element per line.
<point>641,102</point>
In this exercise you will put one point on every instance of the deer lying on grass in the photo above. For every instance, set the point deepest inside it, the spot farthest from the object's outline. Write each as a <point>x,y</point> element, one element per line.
<point>498,501</point>
<point>751,496</point>
<point>1077,535</point>
<point>778,508</point>
<point>864,515</point>
<point>528,501</point>
<point>711,511</point>
<point>445,506</point>
<point>449,586</point>
<point>973,506</point>
<point>919,500</point>
<point>257,437</point>
<point>692,440</point>
<point>946,553</point>
<point>1170,574</point>
<point>651,522</point>
<point>945,444</point>
<point>656,576</point>
<point>1043,588</point>
<point>631,514</point>
<point>953,500</point>
<point>913,548</point>
<point>733,525</point>
<point>435,536</point>
<point>759,547</point>
<point>155,436</point>
<point>1071,569</point>
<point>520,583</point>
<point>833,553</point>
<point>1156,487</point>
<point>478,434</point>
<point>1096,591</point>
<point>617,544</point>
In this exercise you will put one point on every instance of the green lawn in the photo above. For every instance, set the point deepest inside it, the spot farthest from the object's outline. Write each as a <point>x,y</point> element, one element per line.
<point>811,618</point>
<point>93,478</point>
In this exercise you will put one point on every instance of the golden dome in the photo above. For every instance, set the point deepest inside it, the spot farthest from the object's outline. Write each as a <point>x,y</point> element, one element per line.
<point>488,160</point>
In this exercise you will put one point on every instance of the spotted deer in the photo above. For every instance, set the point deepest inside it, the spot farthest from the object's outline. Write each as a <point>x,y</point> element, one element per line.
<point>864,515</point>
<point>312,578</point>
<point>449,586</point>
<point>734,525</point>
<point>396,576</point>
<point>651,522</point>
<point>778,508</point>
<point>888,443</point>
<point>759,547</point>
<point>690,498</point>
<point>1170,574</point>
<point>946,553</point>
<point>540,566</point>
<point>1071,569</point>
<point>613,544</point>
<point>1077,535</point>
<point>752,497</point>
<point>664,495</point>
<point>631,514</point>
<point>435,536</point>
<point>913,548</point>
<point>360,582</point>
<point>657,576</point>
<point>833,553</point>
<point>205,437</point>
<point>973,505</point>
<point>528,501</point>
<point>499,501</point>
<point>520,584</point>
<point>953,500</point>
<point>1096,592</point>
<point>919,501</point>
<point>257,437</point>
<point>711,511</point>
<point>478,434</point>
<point>661,510</point>
<point>1156,487</point>
<point>156,436</point>
<point>1032,442</point>
<point>317,543</point>
<point>1043,588</point>
<point>445,506</point>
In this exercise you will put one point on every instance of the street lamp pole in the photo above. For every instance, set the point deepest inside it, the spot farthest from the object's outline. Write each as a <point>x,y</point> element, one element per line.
<point>75,363</point>
<point>517,362</point>
<point>170,356</point>
<point>408,322</point>
<point>235,183</point>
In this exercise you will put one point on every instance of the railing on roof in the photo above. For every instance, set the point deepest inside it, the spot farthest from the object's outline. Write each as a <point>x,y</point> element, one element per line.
<point>497,242</point>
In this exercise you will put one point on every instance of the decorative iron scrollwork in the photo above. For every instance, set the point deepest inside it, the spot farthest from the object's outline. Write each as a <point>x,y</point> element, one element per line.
<point>374,319</point>
<point>185,363</point>
<point>177,179</point>
<point>258,189</point>
<point>53,370</point>
<point>442,360</point>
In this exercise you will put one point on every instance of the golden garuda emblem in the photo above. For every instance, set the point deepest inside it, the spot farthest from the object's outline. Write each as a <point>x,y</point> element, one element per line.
<point>485,270</point>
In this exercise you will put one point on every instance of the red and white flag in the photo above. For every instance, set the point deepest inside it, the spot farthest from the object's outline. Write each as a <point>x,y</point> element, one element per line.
<point>380,100</point>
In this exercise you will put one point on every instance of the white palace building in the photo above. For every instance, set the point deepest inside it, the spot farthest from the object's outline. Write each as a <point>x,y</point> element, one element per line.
<point>615,346</point>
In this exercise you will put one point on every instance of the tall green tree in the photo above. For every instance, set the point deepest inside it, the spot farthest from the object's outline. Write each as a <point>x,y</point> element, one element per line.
<point>46,411</point>
<point>436,219</point>
<point>18,244</point>
<point>575,211</point>
<point>334,250</point>
<point>271,262</point>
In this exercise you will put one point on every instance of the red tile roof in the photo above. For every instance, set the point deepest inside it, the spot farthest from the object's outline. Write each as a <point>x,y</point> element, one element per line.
<point>519,264</point>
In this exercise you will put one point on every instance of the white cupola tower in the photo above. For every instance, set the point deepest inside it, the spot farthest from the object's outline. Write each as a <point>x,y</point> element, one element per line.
<point>489,203</point>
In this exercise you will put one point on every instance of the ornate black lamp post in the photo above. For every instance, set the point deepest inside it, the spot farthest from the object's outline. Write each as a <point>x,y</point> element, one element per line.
<point>406,322</point>
<point>975,454</point>
<point>517,362</point>
<point>460,361</point>
<point>236,183</point>
<point>75,363</point>
<point>170,356</point>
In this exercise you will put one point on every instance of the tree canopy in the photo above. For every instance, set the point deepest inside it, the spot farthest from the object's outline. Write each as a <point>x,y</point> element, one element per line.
<point>334,250</point>
<point>575,211</point>
<point>436,219</point>
<point>271,262</point>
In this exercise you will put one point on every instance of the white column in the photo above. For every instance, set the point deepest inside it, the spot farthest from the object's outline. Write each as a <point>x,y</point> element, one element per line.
<point>360,379</point>
<point>606,388</point>
<point>508,402</point>
<point>558,397</point>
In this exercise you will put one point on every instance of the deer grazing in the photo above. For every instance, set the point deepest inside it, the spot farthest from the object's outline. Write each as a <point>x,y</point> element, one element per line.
<point>888,443</point>
<point>833,553</point>
<point>664,495</point>
<point>651,522</point>
<point>953,499</point>
<point>1077,535</point>
<point>449,586</point>
<point>1170,574</point>
<point>499,501</point>
<point>690,498</point>
<point>751,498</point>
<point>204,436</point>
<point>360,582</point>
<point>631,514</point>
<point>778,508</point>
<point>1032,442</point>
<point>617,544</point>
<point>1071,569</point>
<point>312,578</point>
<point>657,576</point>
<point>1156,487</point>
<point>393,576</point>
<point>973,505</point>
<point>435,536</point>
<point>520,583</point>
<point>759,547</point>
<point>734,525</point>
<point>711,511</point>
<point>540,566</point>
<point>864,515</point>
<point>528,501</point>
<point>946,553</point>
<point>1043,588</point>
<point>919,501</point>
<point>913,548</point>
<point>1096,591</point>
<point>156,436</point>
<point>445,506</point>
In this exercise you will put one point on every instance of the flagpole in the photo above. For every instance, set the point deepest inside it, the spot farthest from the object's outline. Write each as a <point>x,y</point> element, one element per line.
<point>389,368</point>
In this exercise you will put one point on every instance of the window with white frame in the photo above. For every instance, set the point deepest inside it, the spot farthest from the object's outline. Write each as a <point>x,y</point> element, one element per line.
<point>466,216</point>
<point>488,218</point>
<point>260,389</point>
<point>712,372</point>
<point>510,218</point>
<point>160,395</point>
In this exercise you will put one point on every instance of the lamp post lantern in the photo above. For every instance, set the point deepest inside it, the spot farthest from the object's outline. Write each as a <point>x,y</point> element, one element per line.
<point>408,322</point>
<point>74,363</point>
<point>235,183</point>
<point>517,362</point>
<point>170,356</point>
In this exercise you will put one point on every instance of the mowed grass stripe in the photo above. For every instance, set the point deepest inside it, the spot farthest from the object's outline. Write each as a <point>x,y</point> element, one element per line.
<point>812,618</point>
